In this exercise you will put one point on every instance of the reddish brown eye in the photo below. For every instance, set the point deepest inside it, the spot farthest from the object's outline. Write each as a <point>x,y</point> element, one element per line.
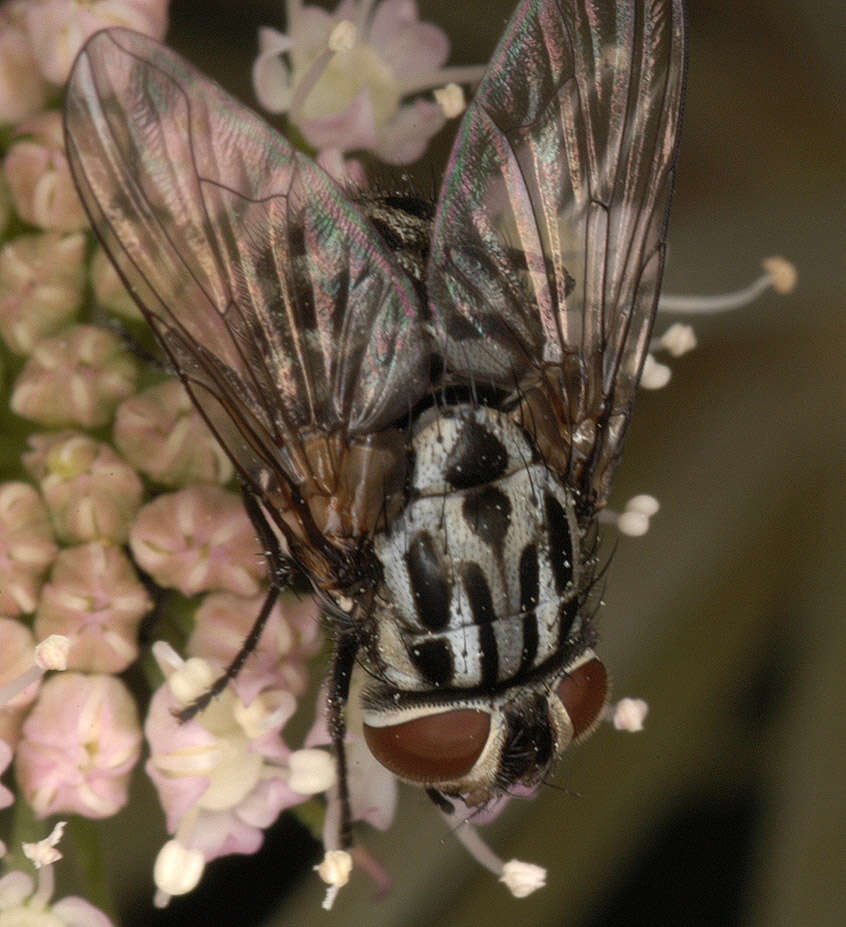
<point>434,748</point>
<point>583,692</point>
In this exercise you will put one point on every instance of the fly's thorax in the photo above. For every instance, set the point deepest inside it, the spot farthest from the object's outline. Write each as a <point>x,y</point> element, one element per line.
<point>484,571</point>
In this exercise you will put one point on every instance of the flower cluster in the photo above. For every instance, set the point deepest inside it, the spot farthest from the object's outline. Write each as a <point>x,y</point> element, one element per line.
<point>124,504</point>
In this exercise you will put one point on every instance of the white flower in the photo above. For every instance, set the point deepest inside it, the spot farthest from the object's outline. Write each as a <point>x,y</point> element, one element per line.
<point>224,775</point>
<point>342,77</point>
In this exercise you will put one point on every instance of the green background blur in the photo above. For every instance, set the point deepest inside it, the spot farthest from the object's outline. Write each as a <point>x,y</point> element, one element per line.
<point>728,616</point>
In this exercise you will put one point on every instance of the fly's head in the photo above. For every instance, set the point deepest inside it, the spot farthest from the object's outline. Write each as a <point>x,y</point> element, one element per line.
<point>477,747</point>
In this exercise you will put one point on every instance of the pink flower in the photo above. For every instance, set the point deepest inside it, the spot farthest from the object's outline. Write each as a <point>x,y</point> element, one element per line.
<point>79,745</point>
<point>161,433</point>
<point>58,28</point>
<point>17,649</point>
<point>290,637</point>
<point>342,77</point>
<point>27,547</point>
<point>198,539</point>
<point>42,280</point>
<point>223,776</point>
<point>38,175</point>
<point>23,90</point>
<point>91,492</point>
<point>95,599</point>
<point>75,378</point>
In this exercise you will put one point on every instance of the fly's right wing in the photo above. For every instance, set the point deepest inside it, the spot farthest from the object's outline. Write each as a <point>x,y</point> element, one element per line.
<point>548,244</point>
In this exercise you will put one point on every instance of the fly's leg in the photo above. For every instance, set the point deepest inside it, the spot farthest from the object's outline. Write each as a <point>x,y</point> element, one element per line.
<point>282,570</point>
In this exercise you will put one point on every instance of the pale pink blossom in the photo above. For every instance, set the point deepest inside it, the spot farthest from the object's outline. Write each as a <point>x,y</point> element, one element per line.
<point>91,492</point>
<point>25,903</point>
<point>95,599</point>
<point>27,547</point>
<point>196,540</point>
<point>58,28</point>
<point>23,90</point>
<point>75,378</point>
<point>290,637</point>
<point>342,77</point>
<point>160,432</point>
<point>224,775</point>
<point>344,171</point>
<point>39,178</point>
<point>42,281</point>
<point>79,744</point>
<point>17,651</point>
<point>109,290</point>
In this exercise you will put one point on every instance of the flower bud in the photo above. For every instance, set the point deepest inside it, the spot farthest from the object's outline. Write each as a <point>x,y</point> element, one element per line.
<point>76,378</point>
<point>42,279</point>
<point>96,600</point>
<point>91,492</point>
<point>198,539</point>
<point>79,744</point>
<point>39,178</point>
<point>27,547</point>
<point>160,432</point>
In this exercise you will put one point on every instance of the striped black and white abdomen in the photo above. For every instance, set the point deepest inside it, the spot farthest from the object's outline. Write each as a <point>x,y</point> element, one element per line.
<point>483,572</point>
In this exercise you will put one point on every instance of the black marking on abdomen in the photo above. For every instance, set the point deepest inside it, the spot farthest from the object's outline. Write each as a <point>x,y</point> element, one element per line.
<point>478,593</point>
<point>567,618</point>
<point>529,593</point>
<point>434,660</point>
<point>560,543</point>
<point>488,515</point>
<point>477,457</point>
<point>482,609</point>
<point>429,585</point>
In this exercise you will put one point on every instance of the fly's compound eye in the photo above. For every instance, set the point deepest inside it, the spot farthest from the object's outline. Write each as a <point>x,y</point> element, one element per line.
<point>583,693</point>
<point>434,748</point>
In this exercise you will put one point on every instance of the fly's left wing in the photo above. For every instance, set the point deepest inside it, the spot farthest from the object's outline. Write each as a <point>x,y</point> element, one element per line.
<point>548,244</point>
<point>281,309</point>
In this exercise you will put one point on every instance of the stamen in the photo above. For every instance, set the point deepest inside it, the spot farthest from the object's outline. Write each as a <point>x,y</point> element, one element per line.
<point>176,871</point>
<point>469,74</point>
<point>335,870</point>
<point>655,375</point>
<point>341,38</point>
<point>677,340</point>
<point>451,100</point>
<point>627,715</point>
<point>780,274</point>
<point>634,519</point>
<point>50,654</point>
<point>520,878</point>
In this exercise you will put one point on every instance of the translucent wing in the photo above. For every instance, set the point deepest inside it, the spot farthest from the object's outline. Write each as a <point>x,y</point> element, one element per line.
<point>549,237</point>
<point>276,301</point>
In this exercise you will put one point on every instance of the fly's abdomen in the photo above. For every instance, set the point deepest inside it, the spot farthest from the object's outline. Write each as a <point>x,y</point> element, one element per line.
<point>481,570</point>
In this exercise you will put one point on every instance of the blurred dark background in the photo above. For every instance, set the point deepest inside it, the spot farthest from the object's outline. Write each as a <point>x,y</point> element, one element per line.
<point>728,616</point>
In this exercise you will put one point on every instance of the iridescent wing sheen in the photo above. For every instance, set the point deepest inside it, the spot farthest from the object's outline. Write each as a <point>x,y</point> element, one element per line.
<point>548,244</point>
<point>278,304</point>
